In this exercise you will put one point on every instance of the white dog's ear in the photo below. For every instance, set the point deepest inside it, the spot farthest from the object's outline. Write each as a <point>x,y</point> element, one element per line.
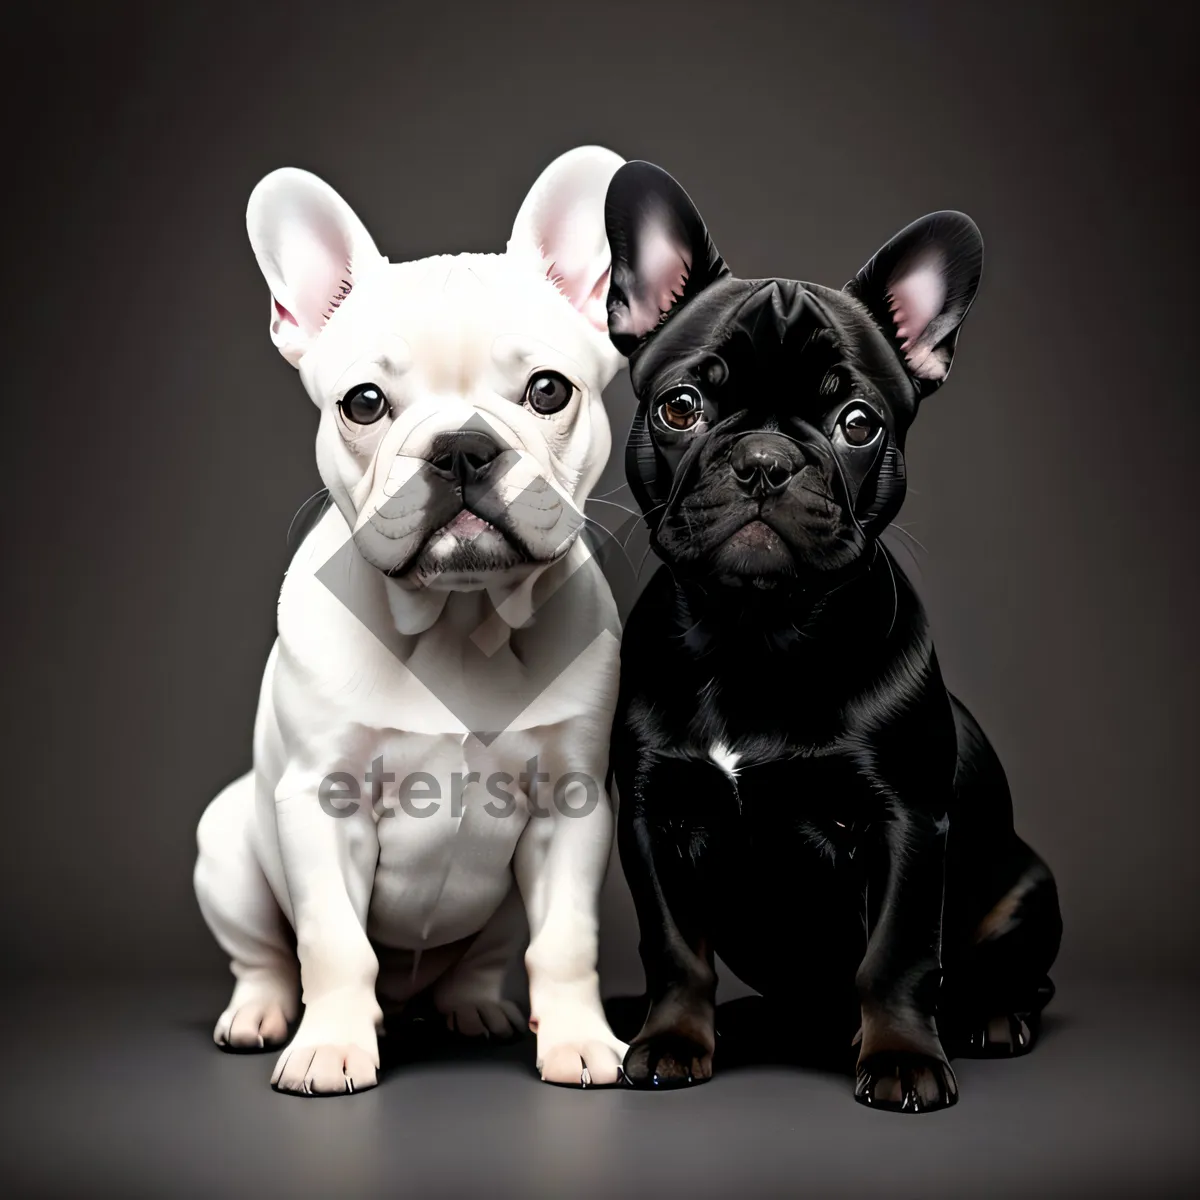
<point>560,228</point>
<point>311,249</point>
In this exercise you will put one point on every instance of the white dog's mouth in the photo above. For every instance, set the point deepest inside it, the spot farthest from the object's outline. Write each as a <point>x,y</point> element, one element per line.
<point>467,525</point>
<point>462,552</point>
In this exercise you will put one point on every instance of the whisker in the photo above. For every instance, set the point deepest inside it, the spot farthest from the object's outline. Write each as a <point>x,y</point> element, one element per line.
<point>638,525</point>
<point>624,487</point>
<point>911,538</point>
<point>607,533</point>
<point>887,558</point>
<point>638,573</point>
<point>612,504</point>
<point>296,515</point>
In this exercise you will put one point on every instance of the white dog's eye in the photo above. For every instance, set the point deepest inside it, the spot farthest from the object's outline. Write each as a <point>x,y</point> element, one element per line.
<point>548,392</point>
<point>364,404</point>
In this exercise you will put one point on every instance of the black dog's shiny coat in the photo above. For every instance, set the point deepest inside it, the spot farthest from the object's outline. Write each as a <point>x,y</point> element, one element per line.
<point>798,790</point>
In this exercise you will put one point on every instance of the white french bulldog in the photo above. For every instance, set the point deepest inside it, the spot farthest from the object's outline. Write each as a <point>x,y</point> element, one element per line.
<point>388,837</point>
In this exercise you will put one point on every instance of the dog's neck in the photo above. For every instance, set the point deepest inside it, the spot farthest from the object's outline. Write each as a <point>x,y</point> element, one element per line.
<point>856,607</point>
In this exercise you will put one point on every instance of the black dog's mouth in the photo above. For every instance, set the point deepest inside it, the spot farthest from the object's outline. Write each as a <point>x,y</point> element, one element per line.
<point>756,551</point>
<point>757,536</point>
<point>766,542</point>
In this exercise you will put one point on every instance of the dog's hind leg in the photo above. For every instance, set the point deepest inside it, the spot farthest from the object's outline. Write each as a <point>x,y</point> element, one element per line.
<point>996,988</point>
<point>240,909</point>
<point>471,993</point>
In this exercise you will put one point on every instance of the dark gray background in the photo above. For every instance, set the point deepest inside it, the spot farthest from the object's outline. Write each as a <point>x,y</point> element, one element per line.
<point>157,447</point>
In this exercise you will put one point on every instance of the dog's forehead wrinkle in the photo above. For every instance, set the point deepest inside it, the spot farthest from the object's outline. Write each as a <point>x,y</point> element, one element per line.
<point>516,348</point>
<point>393,364</point>
<point>771,326</point>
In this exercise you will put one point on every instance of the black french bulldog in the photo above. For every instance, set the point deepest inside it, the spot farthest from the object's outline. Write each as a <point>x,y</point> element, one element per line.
<point>798,790</point>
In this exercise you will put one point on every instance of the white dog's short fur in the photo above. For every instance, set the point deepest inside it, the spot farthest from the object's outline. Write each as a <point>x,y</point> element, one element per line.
<point>383,902</point>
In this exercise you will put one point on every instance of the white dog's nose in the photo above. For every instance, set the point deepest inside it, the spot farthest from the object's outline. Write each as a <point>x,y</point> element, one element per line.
<point>463,453</point>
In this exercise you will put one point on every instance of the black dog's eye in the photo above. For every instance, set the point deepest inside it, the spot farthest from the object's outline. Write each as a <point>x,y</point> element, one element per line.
<point>859,425</point>
<point>364,404</point>
<point>681,409</point>
<point>548,392</point>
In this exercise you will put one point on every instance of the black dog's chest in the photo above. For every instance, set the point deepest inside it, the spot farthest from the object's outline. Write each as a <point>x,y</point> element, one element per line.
<point>776,796</point>
<point>799,841</point>
<point>790,779</point>
<point>805,799</point>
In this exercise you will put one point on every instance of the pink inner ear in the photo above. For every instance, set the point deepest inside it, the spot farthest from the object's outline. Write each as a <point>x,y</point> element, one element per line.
<point>664,263</point>
<point>915,298</point>
<point>662,270</point>
<point>590,303</point>
<point>594,307</point>
<point>283,313</point>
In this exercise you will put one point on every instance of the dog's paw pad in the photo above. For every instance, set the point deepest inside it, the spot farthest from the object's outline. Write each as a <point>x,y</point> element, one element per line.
<point>667,1061</point>
<point>897,1081</point>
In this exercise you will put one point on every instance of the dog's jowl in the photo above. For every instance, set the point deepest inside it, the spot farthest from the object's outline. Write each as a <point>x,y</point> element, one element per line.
<point>799,793</point>
<point>431,743</point>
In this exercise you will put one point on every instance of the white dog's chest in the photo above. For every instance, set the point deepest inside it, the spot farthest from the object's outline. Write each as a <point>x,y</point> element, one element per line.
<point>448,824</point>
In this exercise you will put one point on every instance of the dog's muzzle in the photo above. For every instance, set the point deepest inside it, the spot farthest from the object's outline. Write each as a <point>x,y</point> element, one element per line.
<point>469,505</point>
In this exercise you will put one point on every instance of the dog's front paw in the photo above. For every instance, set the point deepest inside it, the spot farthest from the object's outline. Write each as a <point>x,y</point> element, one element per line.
<point>259,1024</point>
<point>328,1070</point>
<point>1001,1037</point>
<point>579,1050</point>
<point>594,1062</point>
<point>335,1051</point>
<point>261,1009</point>
<point>904,1081</point>
<point>667,1060</point>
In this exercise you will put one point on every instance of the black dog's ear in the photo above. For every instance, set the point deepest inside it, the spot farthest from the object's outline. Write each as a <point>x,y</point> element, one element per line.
<point>919,287</point>
<point>662,255</point>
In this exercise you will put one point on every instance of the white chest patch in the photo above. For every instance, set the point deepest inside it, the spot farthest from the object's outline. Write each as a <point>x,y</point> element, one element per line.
<point>725,758</point>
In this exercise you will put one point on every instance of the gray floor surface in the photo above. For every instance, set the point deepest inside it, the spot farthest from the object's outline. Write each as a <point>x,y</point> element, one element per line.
<point>119,1091</point>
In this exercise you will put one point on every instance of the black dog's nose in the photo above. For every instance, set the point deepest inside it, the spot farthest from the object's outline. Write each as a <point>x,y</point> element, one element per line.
<point>464,452</point>
<point>763,464</point>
